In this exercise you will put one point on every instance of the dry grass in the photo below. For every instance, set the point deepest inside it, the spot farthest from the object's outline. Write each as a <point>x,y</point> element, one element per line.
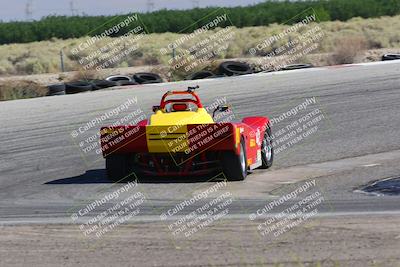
<point>44,57</point>
<point>83,75</point>
<point>347,49</point>
<point>10,90</point>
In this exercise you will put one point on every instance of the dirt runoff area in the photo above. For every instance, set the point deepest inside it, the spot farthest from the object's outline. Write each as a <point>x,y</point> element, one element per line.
<point>328,241</point>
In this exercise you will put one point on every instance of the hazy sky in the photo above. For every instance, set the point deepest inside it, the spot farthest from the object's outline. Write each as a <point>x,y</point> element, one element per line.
<point>16,9</point>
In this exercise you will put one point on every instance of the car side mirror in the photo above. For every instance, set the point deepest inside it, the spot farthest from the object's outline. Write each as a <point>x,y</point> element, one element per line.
<point>221,108</point>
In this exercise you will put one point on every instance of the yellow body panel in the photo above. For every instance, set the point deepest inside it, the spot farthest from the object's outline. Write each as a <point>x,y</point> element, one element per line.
<point>161,118</point>
<point>168,132</point>
<point>161,139</point>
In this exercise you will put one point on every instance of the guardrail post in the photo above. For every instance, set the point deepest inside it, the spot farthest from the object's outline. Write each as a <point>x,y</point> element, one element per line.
<point>62,61</point>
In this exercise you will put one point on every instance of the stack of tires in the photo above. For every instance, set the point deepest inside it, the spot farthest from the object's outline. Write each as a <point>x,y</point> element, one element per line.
<point>234,68</point>
<point>227,68</point>
<point>111,81</point>
<point>56,89</point>
<point>297,66</point>
<point>137,78</point>
<point>387,57</point>
<point>147,78</point>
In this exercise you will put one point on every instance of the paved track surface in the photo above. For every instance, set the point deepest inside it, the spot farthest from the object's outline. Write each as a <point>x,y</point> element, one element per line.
<point>45,178</point>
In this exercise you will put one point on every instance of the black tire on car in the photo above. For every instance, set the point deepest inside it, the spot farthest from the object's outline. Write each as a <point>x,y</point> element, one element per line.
<point>56,89</point>
<point>120,167</point>
<point>102,84</point>
<point>232,68</point>
<point>147,78</point>
<point>77,87</point>
<point>235,166</point>
<point>267,150</point>
<point>387,57</point>
<point>204,74</point>
<point>117,78</point>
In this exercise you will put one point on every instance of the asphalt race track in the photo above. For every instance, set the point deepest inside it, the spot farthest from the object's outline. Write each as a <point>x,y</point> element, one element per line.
<point>44,177</point>
<point>336,130</point>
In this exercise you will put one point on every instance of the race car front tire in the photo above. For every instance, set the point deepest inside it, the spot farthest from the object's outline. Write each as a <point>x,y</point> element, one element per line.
<point>120,167</point>
<point>235,166</point>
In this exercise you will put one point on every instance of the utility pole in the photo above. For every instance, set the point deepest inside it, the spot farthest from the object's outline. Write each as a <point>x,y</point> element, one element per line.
<point>74,10</point>
<point>196,3</point>
<point>150,6</point>
<point>62,61</point>
<point>29,10</point>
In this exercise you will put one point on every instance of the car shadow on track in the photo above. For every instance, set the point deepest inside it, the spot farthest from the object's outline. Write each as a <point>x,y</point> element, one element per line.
<point>99,176</point>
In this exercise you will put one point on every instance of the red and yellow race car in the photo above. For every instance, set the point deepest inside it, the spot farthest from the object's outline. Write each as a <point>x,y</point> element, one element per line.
<point>182,139</point>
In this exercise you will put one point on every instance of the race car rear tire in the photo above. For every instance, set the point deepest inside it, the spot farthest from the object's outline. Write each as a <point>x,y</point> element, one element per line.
<point>235,166</point>
<point>120,167</point>
<point>267,150</point>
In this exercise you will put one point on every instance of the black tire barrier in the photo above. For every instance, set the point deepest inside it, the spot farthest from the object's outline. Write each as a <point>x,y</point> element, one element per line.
<point>147,78</point>
<point>265,71</point>
<point>77,87</point>
<point>124,83</point>
<point>297,66</point>
<point>233,68</point>
<point>387,57</point>
<point>102,84</point>
<point>204,74</point>
<point>116,78</point>
<point>56,89</point>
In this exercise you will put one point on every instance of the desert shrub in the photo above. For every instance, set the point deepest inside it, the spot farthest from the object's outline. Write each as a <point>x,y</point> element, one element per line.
<point>10,90</point>
<point>30,66</point>
<point>347,49</point>
<point>84,75</point>
<point>6,67</point>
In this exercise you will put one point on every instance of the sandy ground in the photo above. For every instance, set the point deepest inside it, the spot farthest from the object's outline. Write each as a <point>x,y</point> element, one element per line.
<point>336,241</point>
<point>50,78</point>
<point>315,59</point>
